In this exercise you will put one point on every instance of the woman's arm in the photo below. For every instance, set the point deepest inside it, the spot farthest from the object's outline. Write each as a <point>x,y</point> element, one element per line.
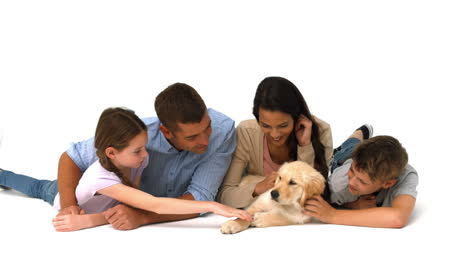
<point>306,152</point>
<point>232,192</point>
<point>65,223</point>
<point>145,201</point>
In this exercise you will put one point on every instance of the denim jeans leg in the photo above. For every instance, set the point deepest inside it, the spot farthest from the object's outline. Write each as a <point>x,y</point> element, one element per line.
<point>343,152</point>
<point>42,189</point>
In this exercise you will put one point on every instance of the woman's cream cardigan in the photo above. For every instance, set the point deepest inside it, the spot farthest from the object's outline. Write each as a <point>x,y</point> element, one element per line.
<point>237,190</point>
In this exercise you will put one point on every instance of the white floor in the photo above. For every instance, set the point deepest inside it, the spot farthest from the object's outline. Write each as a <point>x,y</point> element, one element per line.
<point>26,224</point>
<point>399,65</point>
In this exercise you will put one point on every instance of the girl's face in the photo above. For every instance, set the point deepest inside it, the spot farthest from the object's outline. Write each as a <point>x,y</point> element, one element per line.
<point>276,125</point>
<point>134,154</point>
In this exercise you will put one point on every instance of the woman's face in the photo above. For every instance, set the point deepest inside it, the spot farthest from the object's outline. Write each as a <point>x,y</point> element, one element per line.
<point>276,125</point>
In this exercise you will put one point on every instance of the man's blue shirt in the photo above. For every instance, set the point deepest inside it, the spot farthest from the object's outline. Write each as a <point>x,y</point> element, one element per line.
<point>173,173</point>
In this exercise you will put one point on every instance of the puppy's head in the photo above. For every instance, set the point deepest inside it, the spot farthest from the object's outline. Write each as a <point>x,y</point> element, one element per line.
<point>296,182</point>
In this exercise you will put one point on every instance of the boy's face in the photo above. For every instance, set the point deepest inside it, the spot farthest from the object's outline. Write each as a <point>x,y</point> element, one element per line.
<point>361,184</point>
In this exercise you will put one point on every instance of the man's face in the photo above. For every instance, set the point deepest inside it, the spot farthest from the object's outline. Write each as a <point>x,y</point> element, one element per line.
<point>193,137</point>
<point>361,184</point>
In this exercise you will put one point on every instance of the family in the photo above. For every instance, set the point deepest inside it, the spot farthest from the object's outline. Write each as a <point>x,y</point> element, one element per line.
<point>135,172</point>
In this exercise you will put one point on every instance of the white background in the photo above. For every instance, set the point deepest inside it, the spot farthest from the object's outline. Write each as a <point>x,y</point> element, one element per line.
<point>399,65</point>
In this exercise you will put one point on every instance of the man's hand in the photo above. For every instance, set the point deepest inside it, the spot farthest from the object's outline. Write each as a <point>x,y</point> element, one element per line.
<point>266,184</point>
<point>320,209</point>
<point>122,217</point>
<point>71,210</point>
<point>364,202</point>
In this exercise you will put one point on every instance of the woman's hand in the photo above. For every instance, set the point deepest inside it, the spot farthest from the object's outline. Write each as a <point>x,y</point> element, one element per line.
<point>303,130</point>
<point>224,210</point>
<point>266,184</point>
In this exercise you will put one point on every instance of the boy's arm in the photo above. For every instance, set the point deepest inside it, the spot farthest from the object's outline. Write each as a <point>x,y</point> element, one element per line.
<point>396,216</point>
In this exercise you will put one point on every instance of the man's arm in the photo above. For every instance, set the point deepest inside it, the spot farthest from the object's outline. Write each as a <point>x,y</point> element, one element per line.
<point>68,177</point>
<point>123,217</point>
<point>396,216</point>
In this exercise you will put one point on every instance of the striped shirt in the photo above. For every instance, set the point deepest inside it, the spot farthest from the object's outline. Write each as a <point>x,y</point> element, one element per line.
<point>173,173</point>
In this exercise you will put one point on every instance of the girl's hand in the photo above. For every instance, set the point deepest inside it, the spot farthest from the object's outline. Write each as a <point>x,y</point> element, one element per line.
<point>221,209</point>
<point>66,223</point>
<point>303,130</point>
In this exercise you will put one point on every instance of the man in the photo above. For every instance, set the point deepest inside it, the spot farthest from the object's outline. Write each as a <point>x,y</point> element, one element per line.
<point>376,183</point>
<point>189,148</point>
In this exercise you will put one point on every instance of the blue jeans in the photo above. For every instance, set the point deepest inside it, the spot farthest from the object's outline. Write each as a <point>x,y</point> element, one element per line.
<point>42,189</point>
<point>343,152</point>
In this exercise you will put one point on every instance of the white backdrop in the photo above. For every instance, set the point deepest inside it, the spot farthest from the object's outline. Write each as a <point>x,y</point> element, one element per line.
<point>399,65</point>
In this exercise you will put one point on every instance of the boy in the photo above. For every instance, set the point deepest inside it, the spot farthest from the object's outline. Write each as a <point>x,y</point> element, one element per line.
<point>372,177</point>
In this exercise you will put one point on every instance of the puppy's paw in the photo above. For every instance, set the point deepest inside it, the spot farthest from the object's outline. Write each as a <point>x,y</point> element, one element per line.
<point>262,220</point>
<point>231,227</point>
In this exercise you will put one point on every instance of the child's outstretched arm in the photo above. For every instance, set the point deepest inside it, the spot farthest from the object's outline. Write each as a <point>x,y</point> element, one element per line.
<point>65,223</point>
<point>145,201</point>
<point>396,216</point>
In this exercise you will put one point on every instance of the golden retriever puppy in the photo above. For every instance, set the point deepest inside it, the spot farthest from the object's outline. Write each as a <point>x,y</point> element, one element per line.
<point>283,204</point>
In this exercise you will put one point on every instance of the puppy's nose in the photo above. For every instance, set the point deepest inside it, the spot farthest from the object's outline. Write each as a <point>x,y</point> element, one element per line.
<point>274,194</point>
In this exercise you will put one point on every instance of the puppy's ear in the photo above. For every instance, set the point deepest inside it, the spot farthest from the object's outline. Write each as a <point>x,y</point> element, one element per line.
<point>312,188</point>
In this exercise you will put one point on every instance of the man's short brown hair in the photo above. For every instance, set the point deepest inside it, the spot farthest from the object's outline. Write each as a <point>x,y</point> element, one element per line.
<point>382,157</point>
<point>179,103</point>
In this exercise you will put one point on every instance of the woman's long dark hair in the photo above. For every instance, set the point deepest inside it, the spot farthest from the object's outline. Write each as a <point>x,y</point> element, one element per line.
<point>279,94</point>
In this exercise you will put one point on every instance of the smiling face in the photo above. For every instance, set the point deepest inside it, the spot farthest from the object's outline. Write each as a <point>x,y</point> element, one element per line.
<point>131,156</point>
<point>361,184</point>
<point>277,126</point>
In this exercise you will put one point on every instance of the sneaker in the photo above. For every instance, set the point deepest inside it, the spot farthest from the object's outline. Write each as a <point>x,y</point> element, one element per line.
<point>367,130</point>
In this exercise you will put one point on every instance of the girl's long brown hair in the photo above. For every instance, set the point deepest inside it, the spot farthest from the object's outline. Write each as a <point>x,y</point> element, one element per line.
<point>115,128</point>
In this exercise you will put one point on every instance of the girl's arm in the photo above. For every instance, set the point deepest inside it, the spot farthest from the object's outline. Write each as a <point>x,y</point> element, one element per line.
<point>145,201</point>
<point>65,223</point>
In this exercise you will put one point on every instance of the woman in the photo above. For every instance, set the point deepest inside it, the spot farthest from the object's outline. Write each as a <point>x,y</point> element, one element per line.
<point>284,130</point>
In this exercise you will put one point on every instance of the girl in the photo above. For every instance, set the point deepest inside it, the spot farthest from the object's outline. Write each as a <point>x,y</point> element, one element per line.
<point>283,130</point>
<point>120,141</point>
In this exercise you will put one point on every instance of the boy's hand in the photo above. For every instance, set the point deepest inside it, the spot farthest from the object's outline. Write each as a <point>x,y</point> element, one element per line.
<point>320,209</point>
<point>364,202</point>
